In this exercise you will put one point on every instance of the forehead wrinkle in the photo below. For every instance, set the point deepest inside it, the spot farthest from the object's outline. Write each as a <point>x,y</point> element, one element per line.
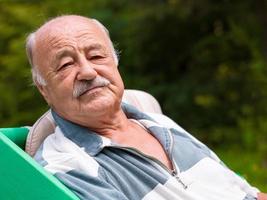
<point>78,41</point>
<point>60,42</point>
<point>60,33</point>
<point>92,33</point>
<point>88,41</point>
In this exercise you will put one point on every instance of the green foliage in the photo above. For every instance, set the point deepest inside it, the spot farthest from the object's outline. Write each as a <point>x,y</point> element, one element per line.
<point>206,55</point>
<point>249,165</point>
<point>205,61</point>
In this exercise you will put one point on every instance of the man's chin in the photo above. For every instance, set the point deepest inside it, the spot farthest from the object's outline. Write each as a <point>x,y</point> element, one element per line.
<point>97,100</point>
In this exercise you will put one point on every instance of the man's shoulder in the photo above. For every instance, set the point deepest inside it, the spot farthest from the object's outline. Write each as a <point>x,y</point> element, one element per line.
<point>180,132</point>
<point>165,121</point>
<point>59,154</point>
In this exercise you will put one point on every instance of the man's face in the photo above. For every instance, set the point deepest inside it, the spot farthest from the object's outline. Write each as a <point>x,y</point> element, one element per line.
<point>69,53</point>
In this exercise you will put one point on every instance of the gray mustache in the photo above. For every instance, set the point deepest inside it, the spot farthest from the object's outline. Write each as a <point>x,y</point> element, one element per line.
<point>81,87</point>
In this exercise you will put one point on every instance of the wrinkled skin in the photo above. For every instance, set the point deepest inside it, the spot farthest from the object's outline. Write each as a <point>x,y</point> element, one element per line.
<point>72,49</point>
<point>76,50</point>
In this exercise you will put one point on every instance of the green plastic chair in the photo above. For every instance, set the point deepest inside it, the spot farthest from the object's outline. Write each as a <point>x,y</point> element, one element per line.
<point>21,178</point>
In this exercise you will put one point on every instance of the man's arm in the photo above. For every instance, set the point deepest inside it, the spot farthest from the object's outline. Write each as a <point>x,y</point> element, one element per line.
<point>75,169</point>
<point>89,187</point>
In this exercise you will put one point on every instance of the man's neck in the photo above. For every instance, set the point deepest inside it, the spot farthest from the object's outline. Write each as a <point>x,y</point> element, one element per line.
<point>111,125</point>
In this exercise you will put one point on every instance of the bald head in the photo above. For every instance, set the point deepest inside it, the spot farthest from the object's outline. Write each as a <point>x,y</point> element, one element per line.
<point>56,26</point>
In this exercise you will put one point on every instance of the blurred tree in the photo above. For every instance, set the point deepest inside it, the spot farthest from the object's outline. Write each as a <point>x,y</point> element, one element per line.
<point>204,60</point>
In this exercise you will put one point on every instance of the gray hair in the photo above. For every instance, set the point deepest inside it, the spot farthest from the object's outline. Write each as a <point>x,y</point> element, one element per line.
<point>30,43</point>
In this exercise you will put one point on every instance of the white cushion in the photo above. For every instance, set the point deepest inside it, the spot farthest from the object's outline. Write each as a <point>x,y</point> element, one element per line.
<point>144,101</point>
<point>45,125</point>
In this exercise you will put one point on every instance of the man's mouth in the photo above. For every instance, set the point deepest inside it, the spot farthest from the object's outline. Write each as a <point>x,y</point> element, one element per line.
<point>85,87</point>
<point>90,90</point>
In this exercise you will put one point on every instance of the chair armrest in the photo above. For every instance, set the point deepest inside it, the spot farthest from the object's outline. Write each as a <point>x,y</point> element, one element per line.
<point>22,178</point>
<point>17,135</point>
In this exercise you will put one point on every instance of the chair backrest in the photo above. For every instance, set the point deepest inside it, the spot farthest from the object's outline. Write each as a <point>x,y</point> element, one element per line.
<point>45,125</point>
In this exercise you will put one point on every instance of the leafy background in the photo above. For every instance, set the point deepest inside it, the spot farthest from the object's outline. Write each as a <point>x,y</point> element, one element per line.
<point>205,61</point>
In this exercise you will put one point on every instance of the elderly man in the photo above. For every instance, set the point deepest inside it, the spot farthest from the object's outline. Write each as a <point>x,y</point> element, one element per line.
<point>103,148</point>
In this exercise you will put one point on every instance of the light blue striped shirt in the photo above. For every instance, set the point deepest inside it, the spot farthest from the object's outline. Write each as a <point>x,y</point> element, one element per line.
<point>94,167</point>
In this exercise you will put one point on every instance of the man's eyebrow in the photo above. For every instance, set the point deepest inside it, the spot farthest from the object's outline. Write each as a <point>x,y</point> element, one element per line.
<point>95,46</point>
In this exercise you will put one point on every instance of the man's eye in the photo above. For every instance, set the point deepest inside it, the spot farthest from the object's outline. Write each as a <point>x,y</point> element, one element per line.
<point>96,57</point>
<point>65,65</point>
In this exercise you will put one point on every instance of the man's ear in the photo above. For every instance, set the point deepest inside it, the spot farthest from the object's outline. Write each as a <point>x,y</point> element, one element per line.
<point>44,92</point>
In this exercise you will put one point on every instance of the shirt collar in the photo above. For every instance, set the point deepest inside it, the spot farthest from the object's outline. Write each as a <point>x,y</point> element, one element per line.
<point>82,136</point>
<point>93,143</point>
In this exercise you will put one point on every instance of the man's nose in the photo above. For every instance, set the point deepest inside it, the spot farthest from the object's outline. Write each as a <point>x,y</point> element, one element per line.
<point>86,72</point>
